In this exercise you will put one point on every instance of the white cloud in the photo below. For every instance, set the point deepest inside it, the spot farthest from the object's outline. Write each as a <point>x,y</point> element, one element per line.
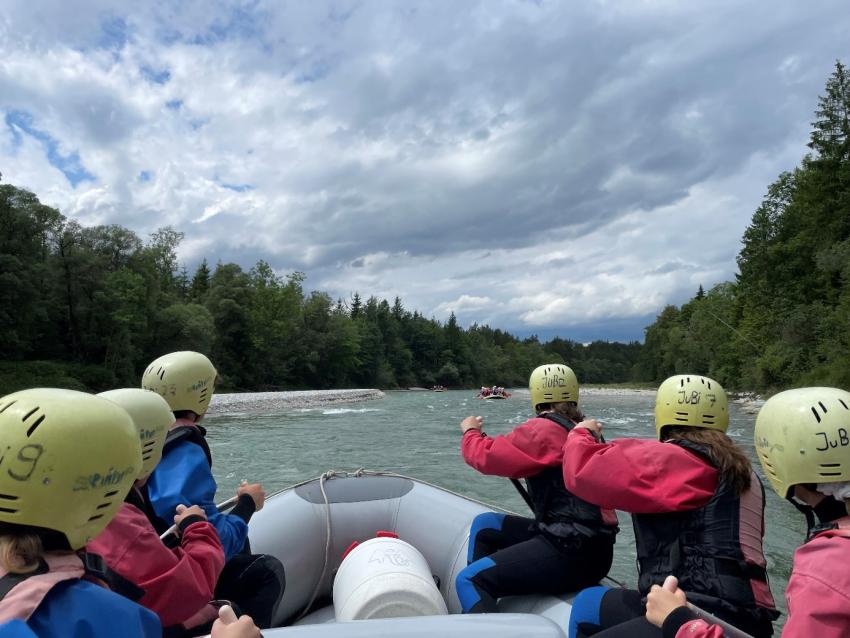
<point>528,166</point>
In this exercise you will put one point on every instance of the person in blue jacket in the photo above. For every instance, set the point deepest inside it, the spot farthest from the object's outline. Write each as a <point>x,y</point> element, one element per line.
<point>69,460</point>
<point>184,477</point>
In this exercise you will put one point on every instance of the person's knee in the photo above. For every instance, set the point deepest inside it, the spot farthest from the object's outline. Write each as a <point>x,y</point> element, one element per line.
<point>487,520</point>
<point>585,609</point>
<point>467,591</point>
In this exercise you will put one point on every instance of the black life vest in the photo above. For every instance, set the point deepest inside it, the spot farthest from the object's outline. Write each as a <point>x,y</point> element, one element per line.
<point>702,548</point>
<point>557,510</point>
<point>193,433</point>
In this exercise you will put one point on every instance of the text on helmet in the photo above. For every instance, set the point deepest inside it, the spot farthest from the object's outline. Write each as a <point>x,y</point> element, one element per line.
<point>21,464</point>
<point>842,440</point>
<point>97,480</point>
<point>694,396</point>
<point>202,383</point>
<point>145,434</point>
<point>554,381</point>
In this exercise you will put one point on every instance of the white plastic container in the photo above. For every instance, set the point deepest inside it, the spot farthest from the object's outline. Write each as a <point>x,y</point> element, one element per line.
<point>385,578</point>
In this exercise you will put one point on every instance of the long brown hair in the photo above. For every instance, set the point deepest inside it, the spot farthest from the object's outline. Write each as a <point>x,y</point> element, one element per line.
<point>20,553</point>
<point>568,409</point>
<point>732,463</point>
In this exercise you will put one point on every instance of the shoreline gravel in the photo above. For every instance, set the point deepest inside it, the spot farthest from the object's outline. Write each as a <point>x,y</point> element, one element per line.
<point>262,401</point>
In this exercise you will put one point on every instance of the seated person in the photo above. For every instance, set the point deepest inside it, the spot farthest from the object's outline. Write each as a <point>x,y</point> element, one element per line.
<point>569,543</point>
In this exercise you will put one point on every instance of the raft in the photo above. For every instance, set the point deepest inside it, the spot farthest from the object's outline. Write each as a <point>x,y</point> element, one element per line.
<point>310,525</point>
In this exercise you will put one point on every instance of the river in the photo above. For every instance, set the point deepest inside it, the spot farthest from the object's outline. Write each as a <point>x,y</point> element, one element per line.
<point>417,434</point>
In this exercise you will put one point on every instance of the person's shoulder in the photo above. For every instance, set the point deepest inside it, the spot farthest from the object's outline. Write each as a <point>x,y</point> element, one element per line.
<point>823,560</point>
<point>539,427</point>
<point>538,423</point>
<point>182,448</point>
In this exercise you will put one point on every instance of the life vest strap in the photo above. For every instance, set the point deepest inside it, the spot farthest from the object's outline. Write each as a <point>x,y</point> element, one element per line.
<point>193,433</point>
<point>93,565</point>
<point>12,580</point>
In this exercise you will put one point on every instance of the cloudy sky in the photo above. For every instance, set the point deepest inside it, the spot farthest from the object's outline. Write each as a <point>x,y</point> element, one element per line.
<point>545,167</point>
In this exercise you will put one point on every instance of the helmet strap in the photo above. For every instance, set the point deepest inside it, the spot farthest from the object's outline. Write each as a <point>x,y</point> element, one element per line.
<point>808,511</point>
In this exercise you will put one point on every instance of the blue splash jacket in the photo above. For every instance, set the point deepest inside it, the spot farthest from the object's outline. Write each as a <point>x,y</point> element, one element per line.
<point>184,477</point>
<point>85,610</point>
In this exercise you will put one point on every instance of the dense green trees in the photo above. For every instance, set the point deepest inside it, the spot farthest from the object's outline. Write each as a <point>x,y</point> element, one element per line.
<point>785,321</point>
<point>90,307</point>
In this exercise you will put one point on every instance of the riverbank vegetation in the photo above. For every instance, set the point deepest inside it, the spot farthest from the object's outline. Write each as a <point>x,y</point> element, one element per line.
<point>89,307</point>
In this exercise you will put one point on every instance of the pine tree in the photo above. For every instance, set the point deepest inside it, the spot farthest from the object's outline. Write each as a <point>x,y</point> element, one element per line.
<point>356,305</point>
<point>830,138</point>
<point>200,283</point>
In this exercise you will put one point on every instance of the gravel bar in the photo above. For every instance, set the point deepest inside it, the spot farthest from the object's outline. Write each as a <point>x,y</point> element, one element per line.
<point>264,401</point>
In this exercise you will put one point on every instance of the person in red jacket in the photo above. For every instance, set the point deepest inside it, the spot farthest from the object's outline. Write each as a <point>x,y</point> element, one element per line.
<point>178,582</point>
<point>569,542</point>
<point>697,509</point>
<point>802,438</point>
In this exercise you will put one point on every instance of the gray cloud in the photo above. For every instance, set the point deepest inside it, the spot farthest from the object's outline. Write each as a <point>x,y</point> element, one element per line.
<point>609,154</point>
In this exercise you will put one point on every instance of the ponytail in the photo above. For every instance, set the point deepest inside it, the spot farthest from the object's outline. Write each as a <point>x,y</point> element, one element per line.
<point>20,553</point>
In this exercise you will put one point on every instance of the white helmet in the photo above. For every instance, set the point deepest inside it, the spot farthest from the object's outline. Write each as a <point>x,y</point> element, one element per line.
<point>153,418</point>
<point>185,379</point>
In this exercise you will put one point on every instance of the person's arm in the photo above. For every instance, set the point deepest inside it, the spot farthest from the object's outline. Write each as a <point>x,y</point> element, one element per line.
<point>636,475</point>
<point>228,626</point>
<point>183,477</point>
<point>667,608</point>
<point>817,595</point>
<point>683,623</point>
<point>179,581</point>
<point>527,450</point>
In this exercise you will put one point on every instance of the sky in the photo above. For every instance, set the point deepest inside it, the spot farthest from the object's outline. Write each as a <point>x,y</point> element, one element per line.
<point>550,168</point>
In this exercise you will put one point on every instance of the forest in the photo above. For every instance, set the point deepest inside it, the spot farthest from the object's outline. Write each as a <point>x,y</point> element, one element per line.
<point>89,307</point>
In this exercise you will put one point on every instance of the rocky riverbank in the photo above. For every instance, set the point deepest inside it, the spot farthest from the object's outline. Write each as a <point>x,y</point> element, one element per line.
<point>270,401</point>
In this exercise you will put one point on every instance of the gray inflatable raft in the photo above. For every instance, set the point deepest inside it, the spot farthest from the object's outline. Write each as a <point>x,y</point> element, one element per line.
<point>309,526</point>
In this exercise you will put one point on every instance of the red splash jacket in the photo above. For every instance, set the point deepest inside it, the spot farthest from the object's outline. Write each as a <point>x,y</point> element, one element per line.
<point>818,594</point>
<point>639,476</point>
<point>527,450</point>
<point>712,527</point>
<point>533,451</point>
<point>177,582</point>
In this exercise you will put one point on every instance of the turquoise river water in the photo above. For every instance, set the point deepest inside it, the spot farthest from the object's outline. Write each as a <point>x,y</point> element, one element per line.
<point>417,434</point>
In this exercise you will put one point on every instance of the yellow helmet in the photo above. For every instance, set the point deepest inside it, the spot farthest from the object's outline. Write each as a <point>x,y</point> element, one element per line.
<point>153,418</point>
<point>552,383</point>
<point>803,436</point>
<point>69,460</point>
<point>185,379</point>
<point>691,400</point>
